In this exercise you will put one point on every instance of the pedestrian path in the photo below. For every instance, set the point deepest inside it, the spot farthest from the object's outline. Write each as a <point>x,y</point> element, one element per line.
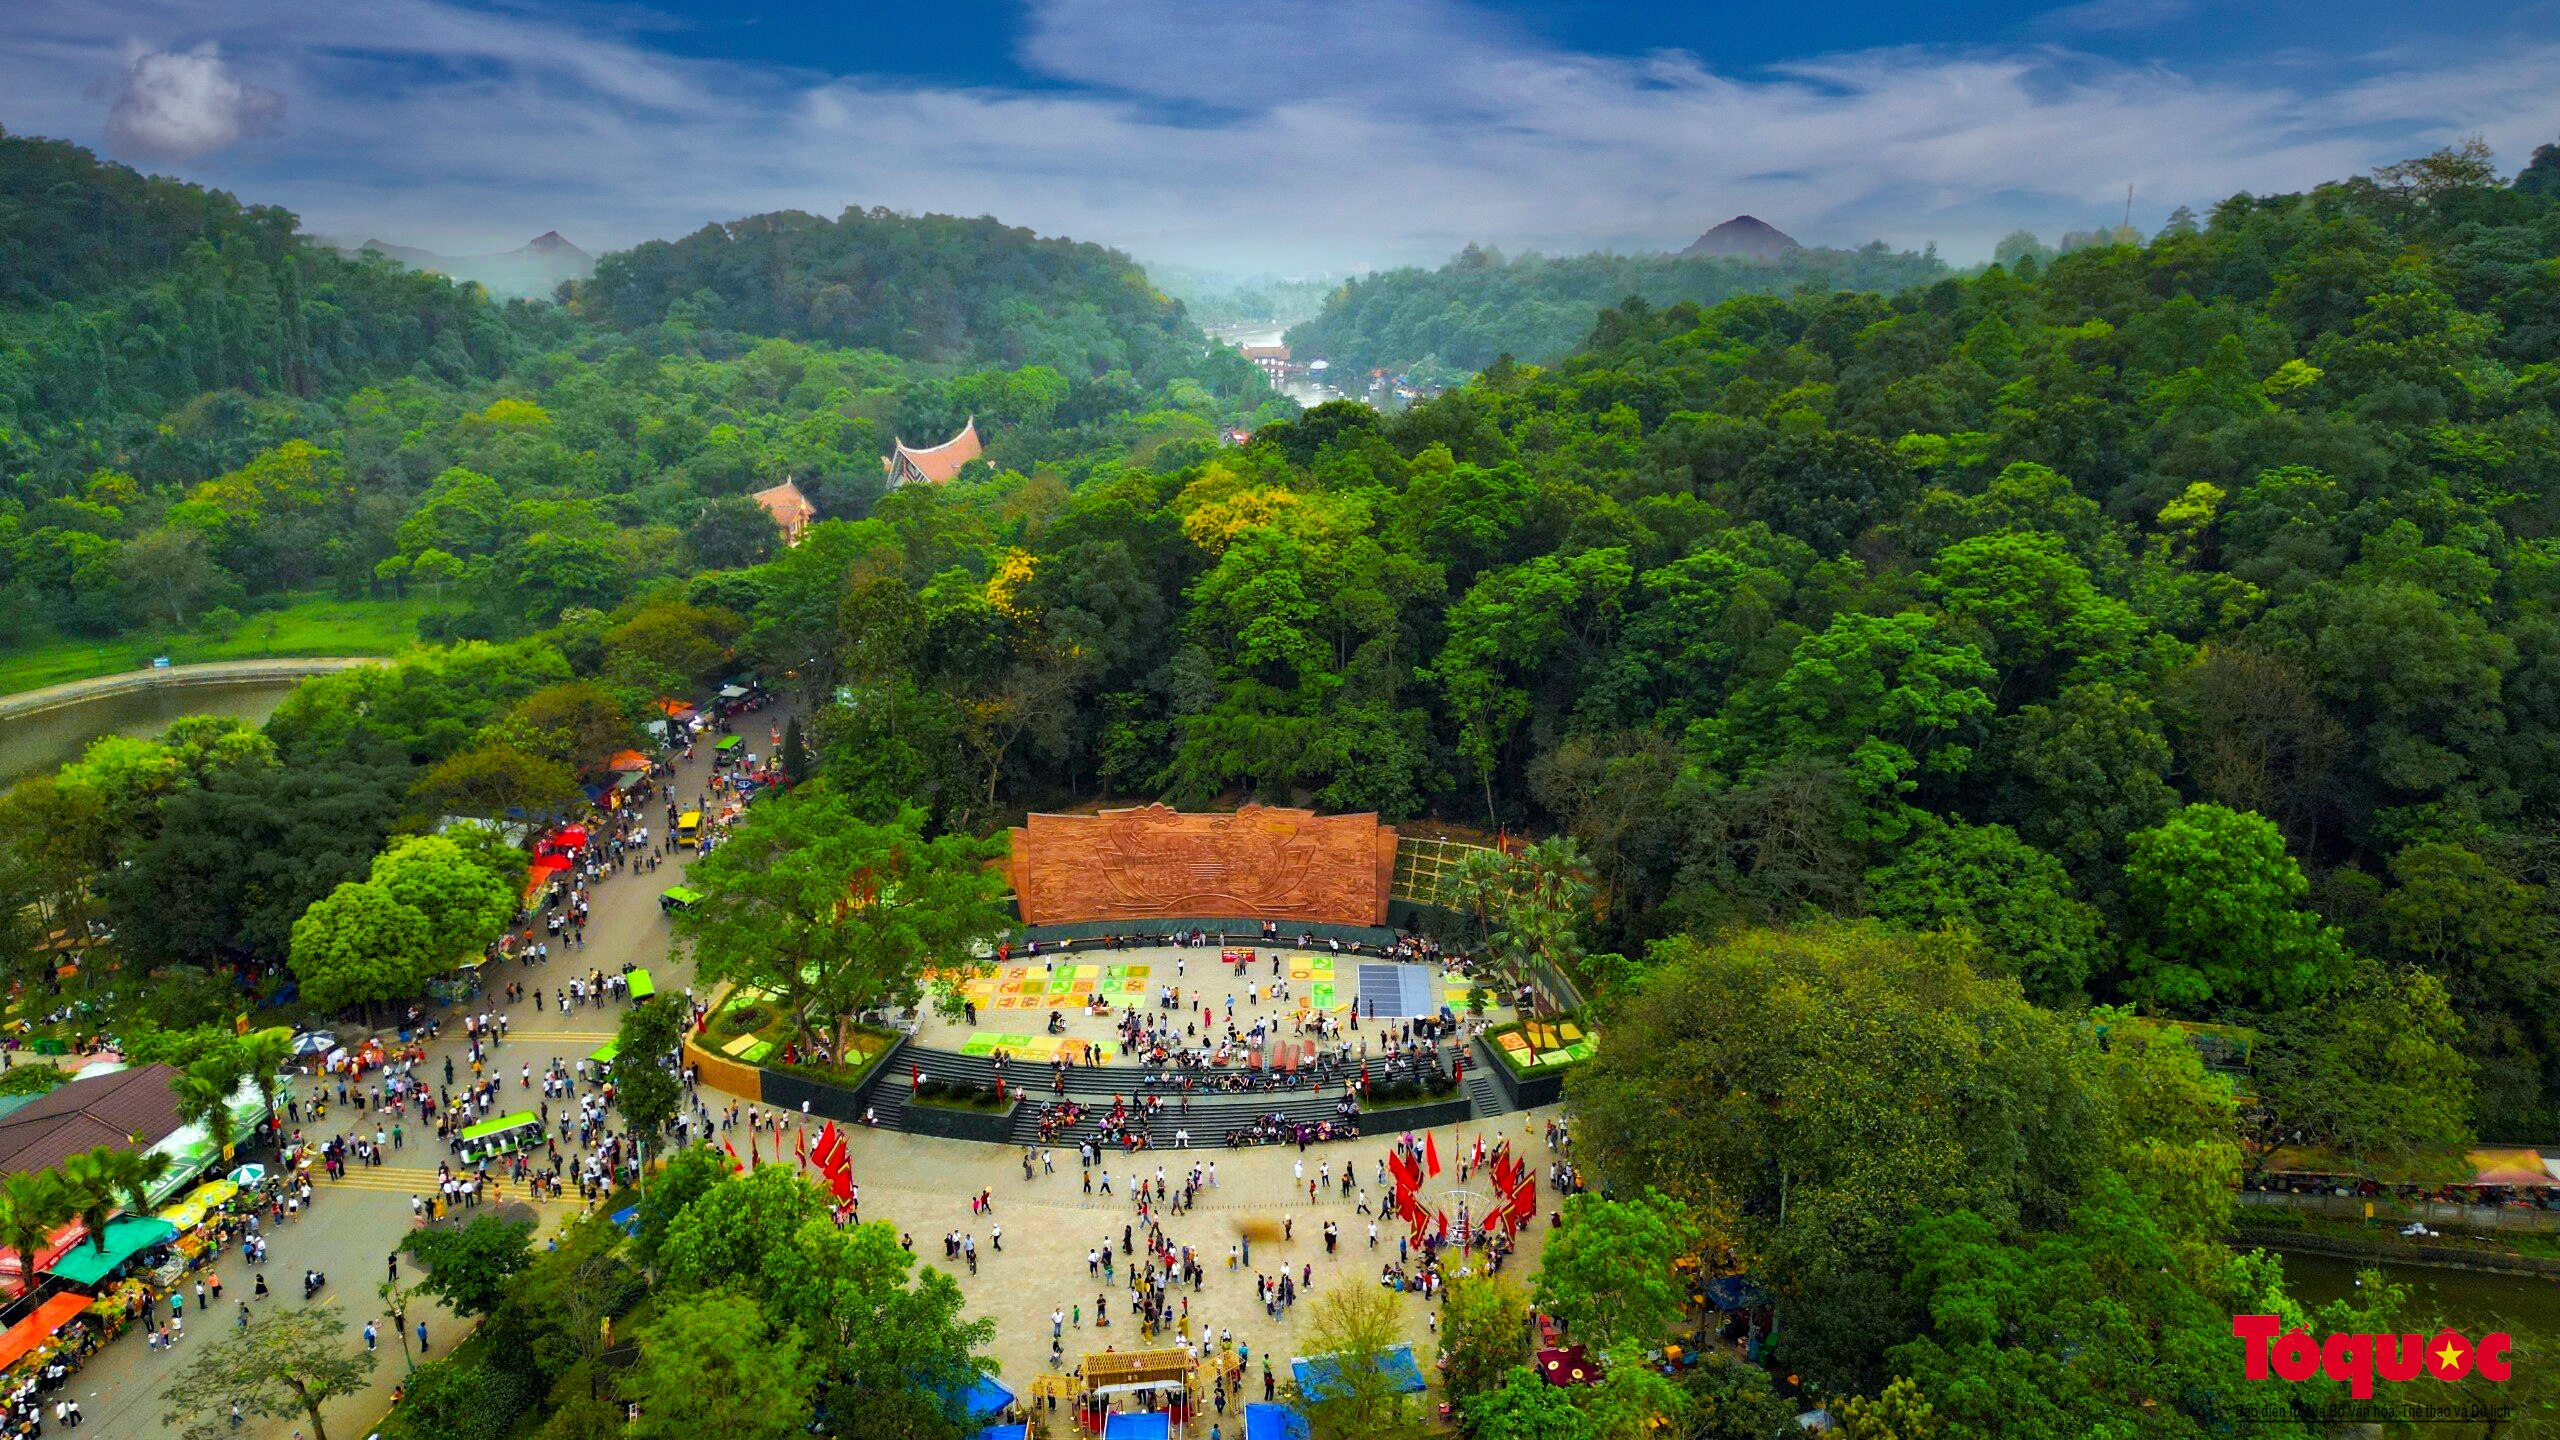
<point>413,1180</point>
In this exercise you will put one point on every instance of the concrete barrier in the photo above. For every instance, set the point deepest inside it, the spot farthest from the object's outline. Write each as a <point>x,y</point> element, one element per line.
<point>724,1074</point>
<point>1524,1092</point>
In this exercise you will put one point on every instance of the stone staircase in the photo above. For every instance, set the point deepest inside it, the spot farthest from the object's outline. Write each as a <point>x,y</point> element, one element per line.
<point>1210,1118</point>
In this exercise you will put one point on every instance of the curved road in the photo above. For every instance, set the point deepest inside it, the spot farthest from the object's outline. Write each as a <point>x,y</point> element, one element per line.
<point>213,672</point>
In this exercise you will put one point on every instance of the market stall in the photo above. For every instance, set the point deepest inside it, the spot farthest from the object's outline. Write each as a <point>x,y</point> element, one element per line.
<point>126,1237</point>
<point>36,1332</point>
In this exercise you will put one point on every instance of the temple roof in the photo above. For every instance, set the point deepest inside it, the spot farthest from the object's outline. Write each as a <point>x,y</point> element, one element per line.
<point>788,507</point>
<point>939,463</point>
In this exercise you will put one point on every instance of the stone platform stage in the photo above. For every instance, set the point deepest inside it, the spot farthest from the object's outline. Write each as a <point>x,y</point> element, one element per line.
<point>1014,998</point>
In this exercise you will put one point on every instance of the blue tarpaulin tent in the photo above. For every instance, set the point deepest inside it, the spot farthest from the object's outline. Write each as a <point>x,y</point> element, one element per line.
<point>1273,1422</point>
<point>1734,1292</point>
<point>1317,1374</point>
<point>1150,1425</point>
<point>1005,1432</point>
<point>985,1400</point>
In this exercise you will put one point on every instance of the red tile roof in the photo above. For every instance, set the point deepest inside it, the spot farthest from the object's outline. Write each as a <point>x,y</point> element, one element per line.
<point>936,463</point>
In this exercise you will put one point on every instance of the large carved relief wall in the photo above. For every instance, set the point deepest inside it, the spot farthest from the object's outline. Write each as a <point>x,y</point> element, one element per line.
<point>1156,864</point>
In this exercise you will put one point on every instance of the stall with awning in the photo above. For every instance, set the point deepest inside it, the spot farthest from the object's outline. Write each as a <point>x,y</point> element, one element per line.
<point>1143,1425</point>
<point>56,1245</point>
<point>605,1052</point>
<point>190,1148</point>
<point>642,986</point>
<point>125,1237</point>
<point>627,760</point>
<point>48,1319</point>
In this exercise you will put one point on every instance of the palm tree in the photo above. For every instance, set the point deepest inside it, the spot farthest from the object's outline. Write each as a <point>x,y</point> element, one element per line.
<point>89,1189</point>
<point>133,1172</point>
<point>32,1206</point>
<point>265,1054</point>
<point>204,1092</point>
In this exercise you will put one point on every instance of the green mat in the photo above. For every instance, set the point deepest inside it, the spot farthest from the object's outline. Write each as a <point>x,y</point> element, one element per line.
<point>1321,993</point>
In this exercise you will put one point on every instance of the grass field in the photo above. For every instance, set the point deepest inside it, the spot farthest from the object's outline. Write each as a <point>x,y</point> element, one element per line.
<point>310,624</point>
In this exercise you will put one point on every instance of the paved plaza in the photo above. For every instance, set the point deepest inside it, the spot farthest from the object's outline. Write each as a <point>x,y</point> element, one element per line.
<point>920,1185</point>
<point>923,1186</point>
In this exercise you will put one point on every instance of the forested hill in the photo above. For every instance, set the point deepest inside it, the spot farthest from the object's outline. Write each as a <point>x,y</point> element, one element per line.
<point>922,287</point>
<point>1535,308</point>
<point>123,296</point>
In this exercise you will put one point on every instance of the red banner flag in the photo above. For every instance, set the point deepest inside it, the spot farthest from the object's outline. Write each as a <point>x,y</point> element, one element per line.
<point>734,1161</point>
<point>840,1180</point>
<point>1524,1200</point>
<point>1406,1178</point>
<point>1442,1216</point>
<point>1431,1151</point>
<point>800,1146</point>
<point>830,1148</point>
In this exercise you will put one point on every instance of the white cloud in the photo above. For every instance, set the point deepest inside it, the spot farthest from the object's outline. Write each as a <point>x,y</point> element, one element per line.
<point>1295,133</point>
<point>174,105</point>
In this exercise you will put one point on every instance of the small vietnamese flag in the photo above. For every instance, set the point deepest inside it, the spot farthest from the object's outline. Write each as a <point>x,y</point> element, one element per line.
<point>1431,1152</point>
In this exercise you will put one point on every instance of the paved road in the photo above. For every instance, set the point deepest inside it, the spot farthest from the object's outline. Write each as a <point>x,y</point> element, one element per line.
<point>212,672</point>
<point>354,1224</point>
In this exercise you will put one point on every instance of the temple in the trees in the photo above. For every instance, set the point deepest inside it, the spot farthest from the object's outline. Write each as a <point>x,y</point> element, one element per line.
<point>908,465</point>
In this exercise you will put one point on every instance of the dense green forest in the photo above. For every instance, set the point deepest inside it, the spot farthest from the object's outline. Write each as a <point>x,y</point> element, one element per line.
<point>1917,698</point>
<point>1459,318</point>
<point>199,409</point>
<point>139,316</point>
<point>934,287</point>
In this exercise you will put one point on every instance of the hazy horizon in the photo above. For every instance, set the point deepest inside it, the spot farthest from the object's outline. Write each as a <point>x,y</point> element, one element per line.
<point>1304,137</point>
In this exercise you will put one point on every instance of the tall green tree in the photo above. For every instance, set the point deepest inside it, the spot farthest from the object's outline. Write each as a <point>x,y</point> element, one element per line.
<point>2216,913</point>
<point>361,945</point>
<point>715,1364</point>
<point>832,914</point>
<point>1608,1272</point>
<point>469,1267</point>
<point>645,1089</point>
<point>288,1364</point>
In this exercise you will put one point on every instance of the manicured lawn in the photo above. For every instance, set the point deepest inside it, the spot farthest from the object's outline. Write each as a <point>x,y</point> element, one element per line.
<point>751,1013</point>
<point>310,624</point>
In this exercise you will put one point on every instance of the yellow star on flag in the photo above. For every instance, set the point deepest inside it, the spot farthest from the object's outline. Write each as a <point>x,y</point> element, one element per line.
<point>2450,1354</point>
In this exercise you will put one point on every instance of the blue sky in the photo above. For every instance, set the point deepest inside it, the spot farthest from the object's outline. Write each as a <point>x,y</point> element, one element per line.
<point>1287,135</point>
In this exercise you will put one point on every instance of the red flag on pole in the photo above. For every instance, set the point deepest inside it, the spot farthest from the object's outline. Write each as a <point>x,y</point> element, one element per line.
<point>830,1148</point>
<point>1524,1200</point>
<point>1443,1217</point>
<point>800,1146</point>
<point>1431,1151</point>
<point>840,1180</point>
<point>734,1161</point>
<point>1402,1169</point>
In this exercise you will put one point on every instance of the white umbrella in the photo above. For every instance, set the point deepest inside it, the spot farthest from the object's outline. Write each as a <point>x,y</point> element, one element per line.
<point>249,1177</point>
<point>312,1042</point>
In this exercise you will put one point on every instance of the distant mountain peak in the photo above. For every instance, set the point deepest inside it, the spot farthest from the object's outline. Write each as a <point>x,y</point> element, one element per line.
<point>1747,236</point>
<point>552,242</point>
